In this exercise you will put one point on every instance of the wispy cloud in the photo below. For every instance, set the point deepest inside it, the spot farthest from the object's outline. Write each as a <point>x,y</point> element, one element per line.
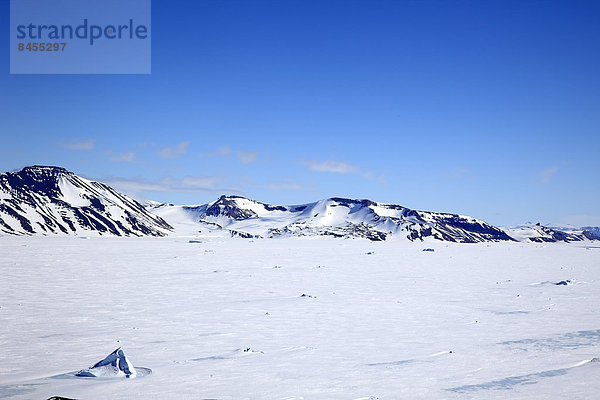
<point>342,167</point>
<point>457,173</point>
<point>247,157</point>
<point>221,151</point>
<point>136,186</point>
<point>80,145</point>
<point>368,175</point>
<point>125,157</point>
<point>285,185</point>
<point>546,175</point>
<point>338,167</point>
<point>200,182</point>
<point>189,184</point>
<point>173,152</point>
<point>371,176</point>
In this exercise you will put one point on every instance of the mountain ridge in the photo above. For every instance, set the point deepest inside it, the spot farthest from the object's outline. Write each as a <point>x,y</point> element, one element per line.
<point>343,217</point>
<point>52,200</point>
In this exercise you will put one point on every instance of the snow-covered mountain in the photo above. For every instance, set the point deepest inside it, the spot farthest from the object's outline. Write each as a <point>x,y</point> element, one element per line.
<point>592,229</point>
<point>52,200</point>
<point>337,217</point>
<point>543,234</point>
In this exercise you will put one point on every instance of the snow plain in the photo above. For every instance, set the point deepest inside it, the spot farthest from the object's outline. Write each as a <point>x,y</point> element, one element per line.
<point>226,319</point>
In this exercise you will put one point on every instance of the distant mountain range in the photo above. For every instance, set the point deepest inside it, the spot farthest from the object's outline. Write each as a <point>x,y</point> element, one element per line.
<point>544,234</point>
<point>335,217</point>
<point>51,200</point>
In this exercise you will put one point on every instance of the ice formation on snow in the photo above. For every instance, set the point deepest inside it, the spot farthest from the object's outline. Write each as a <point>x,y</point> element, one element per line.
<point>116,364</point>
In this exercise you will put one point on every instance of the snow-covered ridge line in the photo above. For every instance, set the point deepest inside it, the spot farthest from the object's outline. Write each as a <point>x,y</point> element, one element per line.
<point>347,218</point>
<point>337,217</point>
<point>544,234</point>
<point>52,200</point>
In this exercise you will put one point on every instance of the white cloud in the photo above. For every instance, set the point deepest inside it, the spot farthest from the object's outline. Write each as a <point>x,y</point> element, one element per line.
<point>457,173</point>
<point>338,167</point>
<point>133,186</point>
<point>173,152</point>
<point>125,157</point>
<point>202,182</point>
<point>247,157</point>
<point>83,145</point>
<point>189,184</point>
<point>368,175</point>
<point>285,185</point>
<point>547,174</point>
<point>221,151</point>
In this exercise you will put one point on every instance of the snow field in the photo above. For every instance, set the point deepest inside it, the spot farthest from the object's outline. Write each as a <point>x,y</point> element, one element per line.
<point>226,319</point>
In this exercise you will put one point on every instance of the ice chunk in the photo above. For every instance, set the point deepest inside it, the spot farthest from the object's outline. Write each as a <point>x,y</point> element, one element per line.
<point>565,282</point>
<point>114,365</point>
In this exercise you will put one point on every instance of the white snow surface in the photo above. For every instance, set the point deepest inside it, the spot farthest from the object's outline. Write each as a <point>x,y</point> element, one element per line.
<point>74,195</point>
<point>226,319</point>
<point>523,233</point>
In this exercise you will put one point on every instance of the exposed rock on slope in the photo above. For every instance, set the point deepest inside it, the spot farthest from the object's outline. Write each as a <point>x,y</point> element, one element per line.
<point>52,200</point>
<point>543,234</point>
<point>337,217</point>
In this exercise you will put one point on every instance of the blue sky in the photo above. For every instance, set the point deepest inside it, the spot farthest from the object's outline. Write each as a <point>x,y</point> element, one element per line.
<point>490,109</point>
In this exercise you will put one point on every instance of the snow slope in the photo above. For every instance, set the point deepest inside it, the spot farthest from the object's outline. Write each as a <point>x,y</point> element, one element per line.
<point>227,319</point>
<point>52,200</point>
